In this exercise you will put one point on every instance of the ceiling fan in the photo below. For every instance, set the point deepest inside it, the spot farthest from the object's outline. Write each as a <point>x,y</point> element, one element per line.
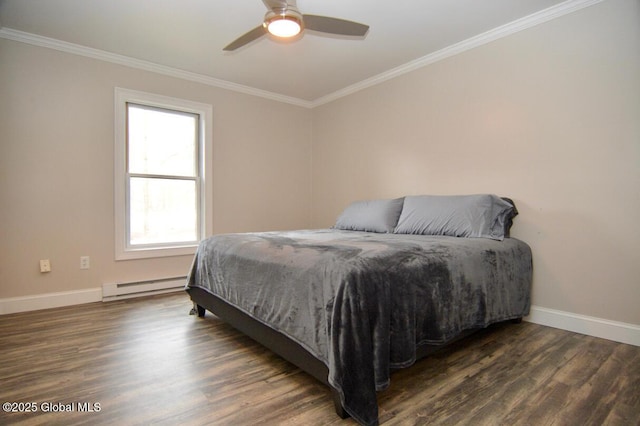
<point>283,20</point>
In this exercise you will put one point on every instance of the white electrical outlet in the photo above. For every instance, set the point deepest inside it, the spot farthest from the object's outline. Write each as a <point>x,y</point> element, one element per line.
<point>45,265</point>
<point>84,262</point>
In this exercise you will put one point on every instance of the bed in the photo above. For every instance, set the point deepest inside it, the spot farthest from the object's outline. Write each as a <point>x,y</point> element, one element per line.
<point>389,283</point>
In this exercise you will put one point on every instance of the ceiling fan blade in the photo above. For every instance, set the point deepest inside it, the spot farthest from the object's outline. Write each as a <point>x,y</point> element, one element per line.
<point>247,38</point>
<point>329,25</point>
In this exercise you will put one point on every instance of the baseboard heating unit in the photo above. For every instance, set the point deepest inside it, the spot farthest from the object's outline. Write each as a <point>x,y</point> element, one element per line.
<point>117,291</point>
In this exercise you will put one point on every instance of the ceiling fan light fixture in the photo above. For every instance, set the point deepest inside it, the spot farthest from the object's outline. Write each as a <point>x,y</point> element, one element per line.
<point>285,24</point>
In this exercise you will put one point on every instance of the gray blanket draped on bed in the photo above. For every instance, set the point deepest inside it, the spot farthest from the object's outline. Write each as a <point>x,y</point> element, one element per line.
<point>362,302</point>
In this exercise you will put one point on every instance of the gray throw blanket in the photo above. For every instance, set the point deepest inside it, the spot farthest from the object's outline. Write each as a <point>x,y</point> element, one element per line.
<point>363,302</point>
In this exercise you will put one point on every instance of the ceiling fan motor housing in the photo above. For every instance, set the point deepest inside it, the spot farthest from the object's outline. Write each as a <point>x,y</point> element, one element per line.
<point>283,22</point>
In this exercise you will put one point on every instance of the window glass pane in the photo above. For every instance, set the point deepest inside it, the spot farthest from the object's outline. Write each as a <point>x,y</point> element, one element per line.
<point>161,142</point>
<point>162,211</point>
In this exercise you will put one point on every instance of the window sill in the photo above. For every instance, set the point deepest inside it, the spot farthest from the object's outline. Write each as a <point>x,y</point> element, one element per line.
<point>147,253</point>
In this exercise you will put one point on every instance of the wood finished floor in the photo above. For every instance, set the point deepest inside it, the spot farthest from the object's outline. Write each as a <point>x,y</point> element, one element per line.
<point>146,361</point>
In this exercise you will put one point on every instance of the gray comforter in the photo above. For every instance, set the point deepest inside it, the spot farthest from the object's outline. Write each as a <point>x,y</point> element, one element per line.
<point>362,302</point>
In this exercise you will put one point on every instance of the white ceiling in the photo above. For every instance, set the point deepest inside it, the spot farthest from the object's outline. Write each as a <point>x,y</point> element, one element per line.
<point>189,35</point>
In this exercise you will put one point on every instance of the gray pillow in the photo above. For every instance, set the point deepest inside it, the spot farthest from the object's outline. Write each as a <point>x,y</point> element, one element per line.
<point>371,215</point>
<point>481,216</point>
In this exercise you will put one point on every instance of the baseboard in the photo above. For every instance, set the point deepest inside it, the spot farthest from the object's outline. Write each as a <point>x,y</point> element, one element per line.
<point>36,302</point>
<point>611,330</point>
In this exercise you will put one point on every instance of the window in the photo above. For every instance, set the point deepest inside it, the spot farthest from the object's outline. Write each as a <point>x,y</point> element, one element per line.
<point>162,152</point>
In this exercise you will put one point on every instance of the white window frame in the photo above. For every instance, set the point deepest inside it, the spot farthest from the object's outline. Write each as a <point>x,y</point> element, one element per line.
<point>205,146</point>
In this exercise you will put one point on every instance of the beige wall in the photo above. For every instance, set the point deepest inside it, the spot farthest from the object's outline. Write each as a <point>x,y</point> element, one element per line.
<point>56,167</point>
<point>549,116</point>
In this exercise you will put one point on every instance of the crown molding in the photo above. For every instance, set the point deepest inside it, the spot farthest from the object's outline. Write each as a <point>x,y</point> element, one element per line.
<point>513,27</point>
<point>529,21</point>
<point>76,49</point>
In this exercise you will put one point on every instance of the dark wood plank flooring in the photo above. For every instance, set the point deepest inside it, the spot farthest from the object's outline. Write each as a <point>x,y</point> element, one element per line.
<point>146,361</point>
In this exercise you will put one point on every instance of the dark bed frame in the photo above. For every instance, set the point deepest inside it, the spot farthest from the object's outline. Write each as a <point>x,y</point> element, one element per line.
<point>282,345</point>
